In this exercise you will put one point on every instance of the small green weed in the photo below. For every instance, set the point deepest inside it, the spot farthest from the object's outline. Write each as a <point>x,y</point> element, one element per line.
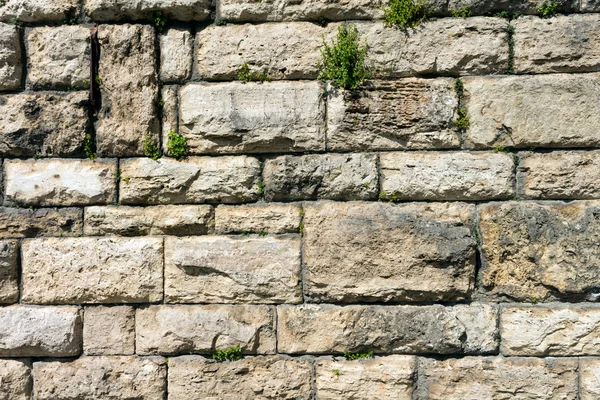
<point>160,103</point>
<point>245,75</point>
<point>405,13</point>
<point>98,80</point>
<point>301,229</point>
<point>261,187</point>
<point>263,233</point>
<point>534,301</point>
<point>232,354</point>
<point>336,372</point>
<point>357,356</point>
<point>547,10</point>
<point>176,145</point>
<point>464,12</point>
<point>150,149</point>
<point>159,20</point>
<point>89,147</point>
<point>498,149</point>
<point>322,21</point>
<point>462,122</point>
<point>509,15</point>
<point>221,22</point>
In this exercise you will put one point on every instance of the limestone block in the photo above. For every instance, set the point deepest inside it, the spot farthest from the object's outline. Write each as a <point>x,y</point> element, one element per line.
<point>179,10</point>
<point>38,10</point>
<point>11,67</point>
<point>15,376</point>
<point>38,222</point>
<point>176,49</point>
<point>258,218</point>
<point>109,330</point>
<point>9,272</point>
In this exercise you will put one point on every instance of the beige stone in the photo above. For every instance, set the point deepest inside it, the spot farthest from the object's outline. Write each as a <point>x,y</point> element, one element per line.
<point>38,10</point>
<point>258,218</point>
<point>179,10</point>
<point>590,6</point>
<point>38,222</point>
<point>11,66</point>
<point>176,55</point>
<point>589,372</point>
<point>9,272</point>
<point>169,113</point>
<point>109,330</point>
<point>15,380</point>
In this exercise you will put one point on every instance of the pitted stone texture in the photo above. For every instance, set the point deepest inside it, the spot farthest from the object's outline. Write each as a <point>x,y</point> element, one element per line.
<point>127,69</point>
<point>382,378</point>
<point>258,218</point>
<point>11,66</point>
<point>221,269</point>
<point>560,44</point>
<point>327,329</point>
<point>92,270</point>
<point>560,175</point>
<point>590,6</point>
<point>43,124</point>
<point>38,10</point>
<point>408,113</point>
<point>557,110</point>
<point>487,7</point>
<point>60,182</point>
<point>497,378</point>
<point>252,117</point>
<point>226,179</point>
<point>169,113</point>
<point>22,223</point>
<point>447,176</point>
<point>29,331</point>
<point>91,378</point>
<point>264,378</point>
<point>9,273</point>
<point>176,50</point>
<point>58,57</point>
<point>179,10</point>
<point>109,330</point>
<point>157,220</point>
<point>205,329</point>
<point>321,176</point>
<point>544,251</point>
<point>589,370</point>
<point>15,380</point>
<point>384,252</point>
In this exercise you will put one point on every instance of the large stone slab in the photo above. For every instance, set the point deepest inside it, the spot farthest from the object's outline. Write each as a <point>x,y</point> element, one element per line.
<point>180,10</point>
<point>258,218</point>
<point>109,330</point>
<point>38,10</point>
<point>383,252</point>
<point>589,378</point>
<point>37,222</point>
<point>29,331</point>
<point>92,270</point>
<point>11,65</point>
<point>15,376</point>
<point>169,111</point>
<point>9,272</point>
<point>222,269</point>
<point>184,329</point>
<point>176,52</point>
<point>329,329</point>
<point>252,117</point>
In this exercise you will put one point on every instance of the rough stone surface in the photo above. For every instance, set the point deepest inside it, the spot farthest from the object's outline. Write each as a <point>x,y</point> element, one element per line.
<point>58,57</point>
<point>176,49</point>
<point>264,378</point>
<point>402,114</point>
<point>205,329</point>
<point>92,270</point>
<point>497,378</point>
<point>327,329</point>
<point>11,66</point>
<point>589,370</point>
<point>90,378</point>
<point>38,10</point>
<point>258,218</point>
<point>29,331</point>
<point>9,272</point>
<point>15,380</point>
<point>321,176</point>
<point>561,111</point>
<point>43,124</point>
<point>60,182</point>
<point>157,220</point>
<point>179,10</point>
<point>109,330</point>
<point>385,252</point>
<point>127,69</point>
<point>543,251</point>
<point>252,117</point>
<point>221,269</point>
<point>590,6</point>
<point>447,176</point>
<point>169,112</point>
<point>38,222</point>
<point>382,378</point>
<point>226,179</point>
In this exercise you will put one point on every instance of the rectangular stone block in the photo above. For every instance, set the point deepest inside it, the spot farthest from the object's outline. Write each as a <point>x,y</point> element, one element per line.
<point>169,113</point>
<point>497,378</point>
<point>590,5</point>
<point>204,329</point>
<point>53,182</point>
<point>258,218</point>
<point>562,111</point>
<point>92,270</point>
<point>447,176</point>
<point>43,124</point>
<point>30,331</point>
<point>226,179</point>
<point>237,117</point>
<point>176,51</point>
<point>589,378</point>
<point>15,376</point>
<point>115,378</point>
<point>194,377</point>
<point>11,64</point>
<point>38,10</point>
<point>9,272</point>
<point>382,378</point>
<point>540,251</point>
<point>321,176</point>
<point>412,252</point>
<point>39,222</point>
<point>409,113</point>
<point>109,10</point>
<point>109,330</point>
<point>222,269</point>
<point>156,220</point>
<point>329,329</point>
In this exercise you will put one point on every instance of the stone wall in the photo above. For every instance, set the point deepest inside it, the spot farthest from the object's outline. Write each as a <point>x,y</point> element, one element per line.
<point>306,221</point>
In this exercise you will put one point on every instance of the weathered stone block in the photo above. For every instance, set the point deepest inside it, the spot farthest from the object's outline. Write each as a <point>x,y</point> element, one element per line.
<point>176,50</point>
<point>180,10</point>
<point>258,218</point>
<point>58,57</point>
<point>447,176</point>
<point>561,111</point>
<point>382,378</point>
<point>115,378</point>
<point>265,378</point>
<point>321,176</point>
<point>43,124</point>
<point>15,377</point>
<point>29,331</point>
<point>11,67</point>
<point>226,179</point>
<point>92,270</point>
<point>60,182</point>
<point>327,329</point>
<point>413,252</point>
<point>9,272</point>
<point>109,330</point>
<point>590,6</point>
<point>157,220</point>
<point>22,223</point>
<point>127,70</point>
<point>205,329</point>
<point>38,10</point>
<point>488,7</point>
<point>408,113</point>
<point>169,113</point>
<point>589,378</point>
<point>252,118</point>
<point>221,269</point>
